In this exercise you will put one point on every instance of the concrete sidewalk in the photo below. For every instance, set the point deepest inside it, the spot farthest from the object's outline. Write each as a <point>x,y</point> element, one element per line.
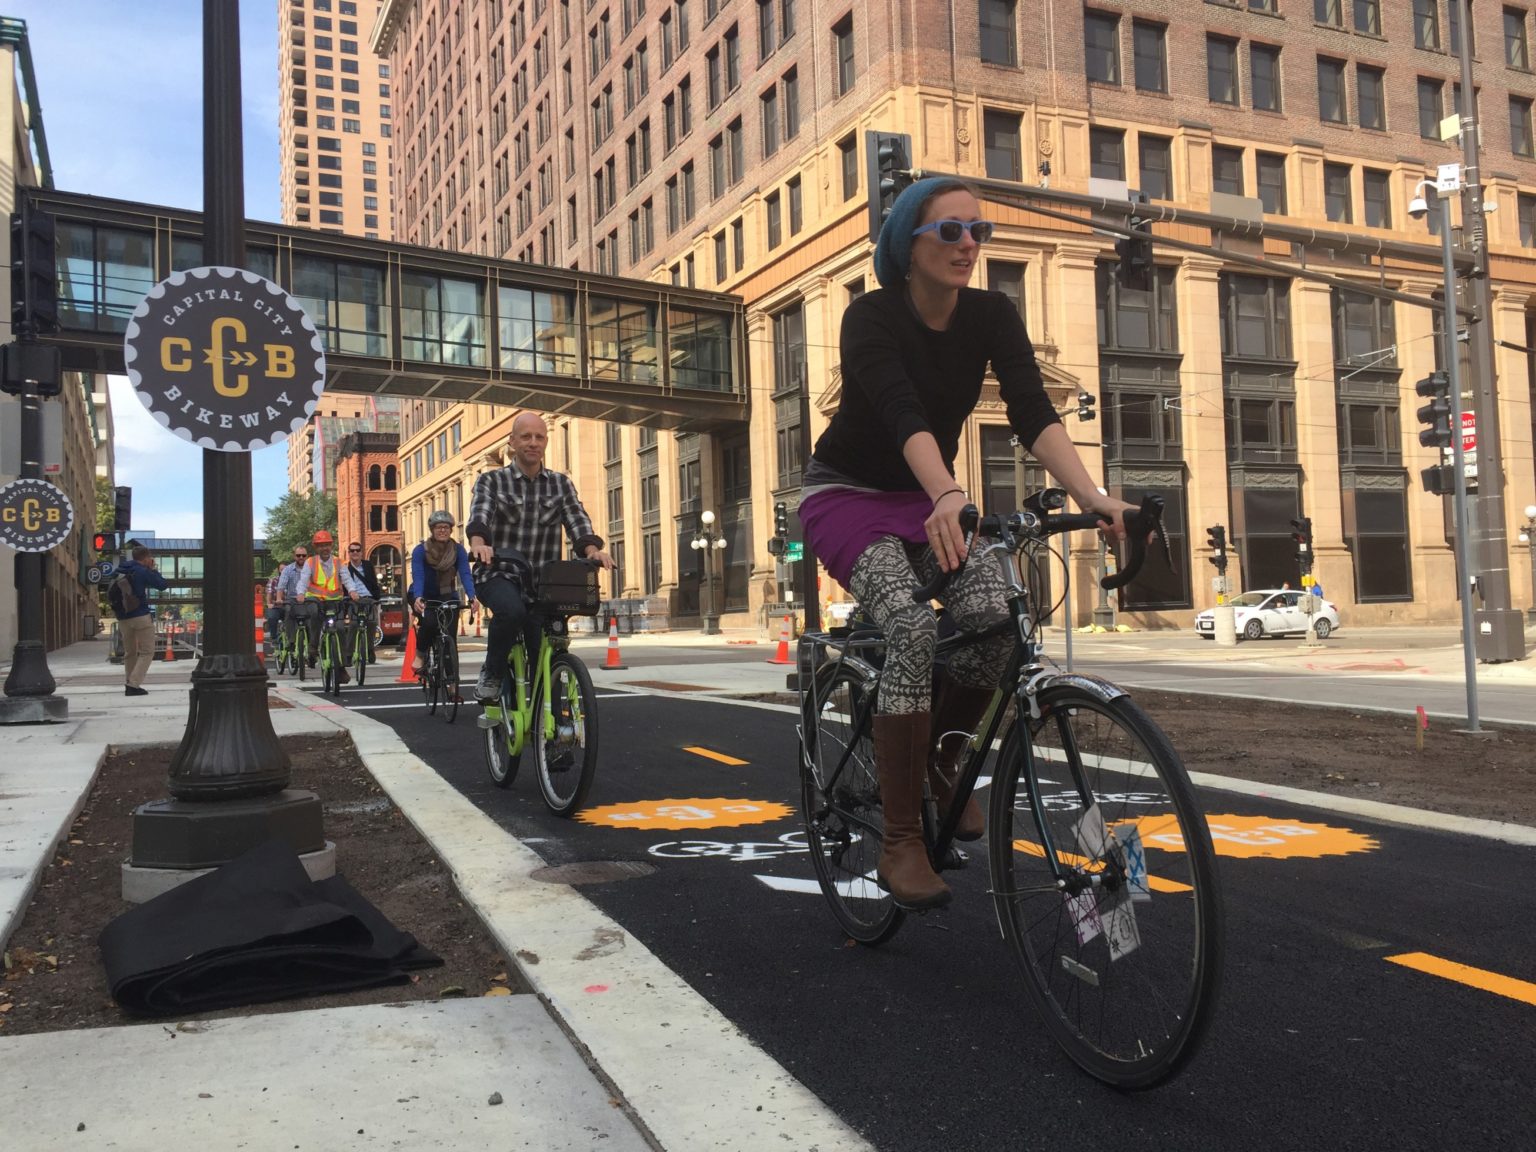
<point>617,1051</point>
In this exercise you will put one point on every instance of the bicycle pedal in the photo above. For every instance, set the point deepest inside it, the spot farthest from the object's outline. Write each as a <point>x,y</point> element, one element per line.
<point>487,721</point>
<point>955,860</point>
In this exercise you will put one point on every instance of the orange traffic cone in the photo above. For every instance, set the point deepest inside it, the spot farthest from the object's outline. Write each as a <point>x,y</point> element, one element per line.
<point>477,625</point>
<point>169,654</point>
<point>261,636</point>
<point>407,673</point>
<point>613,645</point>
<point>463,625</point>
<point>782,656</point>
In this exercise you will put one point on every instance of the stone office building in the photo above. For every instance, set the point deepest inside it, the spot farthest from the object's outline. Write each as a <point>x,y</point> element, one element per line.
<point>720,143</point>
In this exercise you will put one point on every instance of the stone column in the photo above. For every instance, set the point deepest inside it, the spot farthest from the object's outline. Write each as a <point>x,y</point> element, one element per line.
<point>1317,436</point>
<point>1075,326</point>
<point>1202,421</point>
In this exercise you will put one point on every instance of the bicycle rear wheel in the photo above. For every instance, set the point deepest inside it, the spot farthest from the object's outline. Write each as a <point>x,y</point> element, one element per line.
<point>843,820</point>
<point>500,737</point>
<point>448,672</point>
<point>567,759</point>
<point>1105,885</point>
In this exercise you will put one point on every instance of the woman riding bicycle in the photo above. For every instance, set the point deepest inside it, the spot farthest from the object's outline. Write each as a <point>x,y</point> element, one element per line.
<point>881,506</point>
<point>439,570</point>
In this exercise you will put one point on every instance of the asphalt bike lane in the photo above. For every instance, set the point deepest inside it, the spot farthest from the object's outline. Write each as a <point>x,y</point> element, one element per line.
<point>1371,999</point>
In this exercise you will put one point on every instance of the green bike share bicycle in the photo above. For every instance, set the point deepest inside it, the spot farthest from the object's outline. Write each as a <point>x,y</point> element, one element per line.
<point>547,695</point>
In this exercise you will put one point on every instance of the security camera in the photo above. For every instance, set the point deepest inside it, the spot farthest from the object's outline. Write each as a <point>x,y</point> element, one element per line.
<point>1418,207</point>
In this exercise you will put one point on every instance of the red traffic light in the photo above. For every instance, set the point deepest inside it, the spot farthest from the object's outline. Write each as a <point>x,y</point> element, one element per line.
<point>99,541</point>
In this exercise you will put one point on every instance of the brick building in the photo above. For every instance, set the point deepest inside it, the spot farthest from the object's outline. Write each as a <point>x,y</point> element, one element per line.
<point>720,143</point>
<point>367,485</point>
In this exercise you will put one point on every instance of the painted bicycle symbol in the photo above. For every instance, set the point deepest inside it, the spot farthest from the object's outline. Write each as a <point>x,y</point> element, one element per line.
<point>789,844</point>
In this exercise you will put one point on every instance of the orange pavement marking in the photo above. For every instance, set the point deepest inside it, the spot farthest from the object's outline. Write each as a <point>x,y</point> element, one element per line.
<point>720,756</point>
<point>1156,883</point>
<point>1521,990</point>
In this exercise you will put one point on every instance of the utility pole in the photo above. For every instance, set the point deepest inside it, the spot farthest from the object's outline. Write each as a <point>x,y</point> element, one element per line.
<point>1500,629</point>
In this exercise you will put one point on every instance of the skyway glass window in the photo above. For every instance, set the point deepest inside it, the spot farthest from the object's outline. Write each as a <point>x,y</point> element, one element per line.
<point>103,274</point>
<point>442,321</point>
<point>624,340</point>
<point>702,349</point>
<point>348,303</point>
<point>538,331</point>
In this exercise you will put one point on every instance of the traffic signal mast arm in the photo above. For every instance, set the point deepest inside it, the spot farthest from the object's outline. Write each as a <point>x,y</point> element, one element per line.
<point>1104,210</point>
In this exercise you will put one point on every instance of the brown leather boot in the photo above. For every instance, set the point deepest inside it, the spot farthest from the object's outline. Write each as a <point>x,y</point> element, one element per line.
<point>956,710</point>
<point>901,755</point>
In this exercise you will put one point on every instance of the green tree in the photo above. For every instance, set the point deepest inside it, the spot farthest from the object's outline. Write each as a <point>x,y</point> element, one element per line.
<point>106,505</point>
<point>295,518</point>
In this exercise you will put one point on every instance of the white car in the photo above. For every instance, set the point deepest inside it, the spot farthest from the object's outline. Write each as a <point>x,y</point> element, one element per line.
<point>1273,612</point>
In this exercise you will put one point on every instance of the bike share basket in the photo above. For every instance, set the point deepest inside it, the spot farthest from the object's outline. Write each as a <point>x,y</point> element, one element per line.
<point>569,587</point>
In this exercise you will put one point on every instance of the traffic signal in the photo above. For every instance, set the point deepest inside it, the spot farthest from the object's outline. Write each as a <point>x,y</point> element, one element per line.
<point>122,508</point>
<point>1085,406</point>
<point>1135,251</point>
<point>780,529</point>
<point>1439,480</point>
<point>107,542</point>
<point>34,273</point>
<point>1302,534</point>
<point>888,165</point>
<point>1436,415</point>
<point>1216,537</point>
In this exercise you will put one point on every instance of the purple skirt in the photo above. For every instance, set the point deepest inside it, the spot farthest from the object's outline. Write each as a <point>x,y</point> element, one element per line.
<point>840,523</point>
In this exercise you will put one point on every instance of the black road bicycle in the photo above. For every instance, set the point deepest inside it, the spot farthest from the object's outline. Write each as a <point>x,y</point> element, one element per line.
<point>440,665</point>
<point>1100,862</point>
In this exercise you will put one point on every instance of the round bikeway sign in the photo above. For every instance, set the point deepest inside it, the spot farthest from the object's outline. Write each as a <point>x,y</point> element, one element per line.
<point>34,515</point>
<point>224,358</point>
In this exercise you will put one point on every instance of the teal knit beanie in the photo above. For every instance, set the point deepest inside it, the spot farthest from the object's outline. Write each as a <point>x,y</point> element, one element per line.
<point>893,251</point>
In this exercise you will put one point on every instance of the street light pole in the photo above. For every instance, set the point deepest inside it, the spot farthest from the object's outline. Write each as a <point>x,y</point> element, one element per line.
<point>1451,353</point>
<point>707,541</point>
<point>1500,635</point>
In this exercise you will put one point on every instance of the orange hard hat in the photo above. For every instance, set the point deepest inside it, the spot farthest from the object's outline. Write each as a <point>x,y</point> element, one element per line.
<point>322,537</point>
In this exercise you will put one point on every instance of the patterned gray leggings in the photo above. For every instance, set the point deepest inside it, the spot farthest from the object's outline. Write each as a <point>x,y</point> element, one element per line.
<point>884,578</point>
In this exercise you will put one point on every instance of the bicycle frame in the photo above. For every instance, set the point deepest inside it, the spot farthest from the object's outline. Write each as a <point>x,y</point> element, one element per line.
<point>1023,678</point>
<point>523,698</point>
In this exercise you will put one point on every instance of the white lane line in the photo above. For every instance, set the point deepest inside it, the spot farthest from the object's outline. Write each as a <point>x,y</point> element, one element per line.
<point>380,707</point>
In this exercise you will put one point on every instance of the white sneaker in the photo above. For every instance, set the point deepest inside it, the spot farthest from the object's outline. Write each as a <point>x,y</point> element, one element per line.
<point>488,687</point>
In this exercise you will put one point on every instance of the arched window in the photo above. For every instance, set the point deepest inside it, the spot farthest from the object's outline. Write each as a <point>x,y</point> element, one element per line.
<point>390,481</point>
<point>375,475</point>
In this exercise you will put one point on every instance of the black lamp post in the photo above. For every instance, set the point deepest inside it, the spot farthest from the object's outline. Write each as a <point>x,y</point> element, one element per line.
<point>708,540</point>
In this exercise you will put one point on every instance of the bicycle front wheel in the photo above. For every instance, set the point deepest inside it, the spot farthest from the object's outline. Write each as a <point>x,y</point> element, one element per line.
<point>840,803</point>
<point>565,737</point>
<point>1105,885</point>
<point>448,672</point>
<point>301,654</point>
<point>502,750</point>
<point>360,655</point>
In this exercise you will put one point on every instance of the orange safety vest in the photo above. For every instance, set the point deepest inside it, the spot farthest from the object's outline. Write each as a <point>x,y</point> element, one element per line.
<point>321,586</point>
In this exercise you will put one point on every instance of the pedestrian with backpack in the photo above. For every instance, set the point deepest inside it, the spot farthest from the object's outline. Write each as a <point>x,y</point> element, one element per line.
<point>129,596</point>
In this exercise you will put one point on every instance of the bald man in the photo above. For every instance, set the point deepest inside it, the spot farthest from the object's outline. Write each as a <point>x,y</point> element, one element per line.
<point>523,506</point>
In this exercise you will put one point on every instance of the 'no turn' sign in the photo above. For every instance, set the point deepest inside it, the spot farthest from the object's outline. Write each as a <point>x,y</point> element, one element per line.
<point>224,358</point>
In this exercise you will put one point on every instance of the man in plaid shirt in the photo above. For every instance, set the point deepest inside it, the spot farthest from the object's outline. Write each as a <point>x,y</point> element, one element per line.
<point>522,506</point>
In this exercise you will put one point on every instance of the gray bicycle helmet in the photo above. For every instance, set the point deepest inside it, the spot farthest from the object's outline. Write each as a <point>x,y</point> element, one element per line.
<point>440,516</point>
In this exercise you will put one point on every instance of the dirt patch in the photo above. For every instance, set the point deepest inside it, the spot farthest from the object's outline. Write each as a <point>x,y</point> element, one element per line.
<point>53,976</point>
<point>1361,754</point>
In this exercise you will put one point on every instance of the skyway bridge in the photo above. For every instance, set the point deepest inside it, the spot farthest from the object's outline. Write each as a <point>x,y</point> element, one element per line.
<point>401,320</point>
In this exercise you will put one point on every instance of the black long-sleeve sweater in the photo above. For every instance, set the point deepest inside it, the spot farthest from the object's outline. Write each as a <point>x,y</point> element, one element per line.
<point>900,377</point>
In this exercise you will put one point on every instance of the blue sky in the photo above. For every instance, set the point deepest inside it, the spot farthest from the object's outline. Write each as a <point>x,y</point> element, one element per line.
<point>120,85</point>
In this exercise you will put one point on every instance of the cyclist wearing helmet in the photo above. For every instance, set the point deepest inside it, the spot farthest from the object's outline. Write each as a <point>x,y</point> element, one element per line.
<point>522,507</point>
<point>323,579</point>
<point>439,569</point>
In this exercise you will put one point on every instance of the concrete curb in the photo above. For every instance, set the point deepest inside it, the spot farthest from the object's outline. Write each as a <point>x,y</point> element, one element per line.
<point>692,1079</point>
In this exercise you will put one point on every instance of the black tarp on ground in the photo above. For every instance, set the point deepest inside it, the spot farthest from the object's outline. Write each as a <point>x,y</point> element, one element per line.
<point>257,929</point>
